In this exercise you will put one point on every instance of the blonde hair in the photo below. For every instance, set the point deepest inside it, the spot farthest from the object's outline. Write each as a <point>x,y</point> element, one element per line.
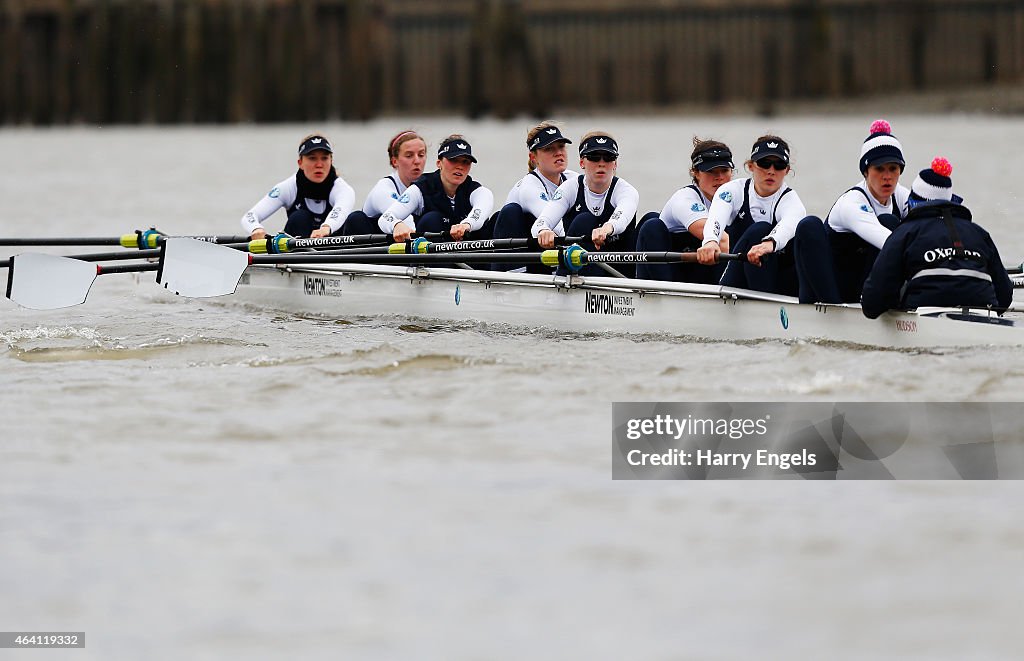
<point>590,134</point>
<point>316,134</point>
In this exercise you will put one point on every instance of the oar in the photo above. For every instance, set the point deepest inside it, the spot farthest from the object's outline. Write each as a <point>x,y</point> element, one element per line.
<point>422,246</point>
<point>48,282</point>
<point>197,269</point>
<point>99,256</point>
<point>283,243</point>
<point>140,239</point>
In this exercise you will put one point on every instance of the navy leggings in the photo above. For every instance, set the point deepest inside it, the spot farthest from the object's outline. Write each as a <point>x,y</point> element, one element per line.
<point>433,221</point>
<point>832,266</point>
<point>654,236</point>
<point>514,223</point>
<point>584,225</point>
<point>359,223</point>
<point>777,273</point>
<point>301,223</point>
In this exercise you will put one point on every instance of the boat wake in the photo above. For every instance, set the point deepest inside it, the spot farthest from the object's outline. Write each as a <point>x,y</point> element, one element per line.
<point>70,344</point>
<point>424,363</point>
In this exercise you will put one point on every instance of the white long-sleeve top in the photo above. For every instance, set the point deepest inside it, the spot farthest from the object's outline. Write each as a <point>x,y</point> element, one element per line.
<point>624,198</point>
<point>342,199</point>
<point>410,203</point>
<point>686,206</point>
<point>534,191</point>
<point>858,213</point>
<point>786,209</point>
<point>383,195</point>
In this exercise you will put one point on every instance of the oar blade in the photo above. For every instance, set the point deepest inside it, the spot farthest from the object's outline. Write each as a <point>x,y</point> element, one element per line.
<point>49,282</point>
<point>199,269</point>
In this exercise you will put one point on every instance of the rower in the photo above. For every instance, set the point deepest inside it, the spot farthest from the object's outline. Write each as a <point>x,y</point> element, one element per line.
<point>596,204</point>
<point>546,163</point>
<point>316,199</point>
<point>680,225</point>
<point>446,200</point>
<point>767,211</point>
<point>834,257</point>
<point>936,257</point>
<point>407,155</point>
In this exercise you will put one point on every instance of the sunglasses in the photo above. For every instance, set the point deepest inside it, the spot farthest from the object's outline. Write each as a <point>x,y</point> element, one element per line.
<point>598,157</point>
<point>769,163</point>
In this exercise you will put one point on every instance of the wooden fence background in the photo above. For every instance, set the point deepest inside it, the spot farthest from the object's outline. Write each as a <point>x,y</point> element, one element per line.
<point>164,61</point>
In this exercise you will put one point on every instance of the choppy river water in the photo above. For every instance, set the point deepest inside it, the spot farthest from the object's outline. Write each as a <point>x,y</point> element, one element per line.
<point>190,480</point>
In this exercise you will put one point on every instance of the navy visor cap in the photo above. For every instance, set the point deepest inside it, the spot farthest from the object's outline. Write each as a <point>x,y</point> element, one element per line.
<point>599,143</point>
<point>313,143</point>
<point>456,148</point>
<point>546,137</point>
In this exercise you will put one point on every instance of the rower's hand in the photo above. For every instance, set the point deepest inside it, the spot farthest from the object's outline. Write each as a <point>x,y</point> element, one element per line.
<point>601,235</point>
<point>707,254</point>
<point>402,232</point>
<point>323,230</point>
<point>460,231</point>
<point>754,254</point>
<point>257,234</point>
<point>546,239</point>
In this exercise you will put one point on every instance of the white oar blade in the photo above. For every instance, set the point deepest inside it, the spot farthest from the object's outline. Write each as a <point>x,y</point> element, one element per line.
<point>49,282</point>
<point>199,269</point>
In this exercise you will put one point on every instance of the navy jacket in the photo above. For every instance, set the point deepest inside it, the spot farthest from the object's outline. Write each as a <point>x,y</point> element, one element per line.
<point>919,267</point>
<point>435,199</point>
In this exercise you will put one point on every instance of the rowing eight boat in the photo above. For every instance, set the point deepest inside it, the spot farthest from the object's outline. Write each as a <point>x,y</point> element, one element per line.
<point>600,304</point>
<point>422,285</point>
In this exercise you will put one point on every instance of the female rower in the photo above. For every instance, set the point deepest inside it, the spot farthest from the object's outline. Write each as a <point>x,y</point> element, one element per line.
<point>596,204</point>
<point>834,257</point>
<point>407,154</point>
<point>681,226</point>
<point>767,212</point>
<point>316,199</point>
<point>936,257</point>
<point>546,162</point>
<point>446,200</point>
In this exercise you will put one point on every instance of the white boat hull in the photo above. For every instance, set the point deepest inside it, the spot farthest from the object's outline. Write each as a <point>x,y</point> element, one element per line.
<point>605,304</point>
